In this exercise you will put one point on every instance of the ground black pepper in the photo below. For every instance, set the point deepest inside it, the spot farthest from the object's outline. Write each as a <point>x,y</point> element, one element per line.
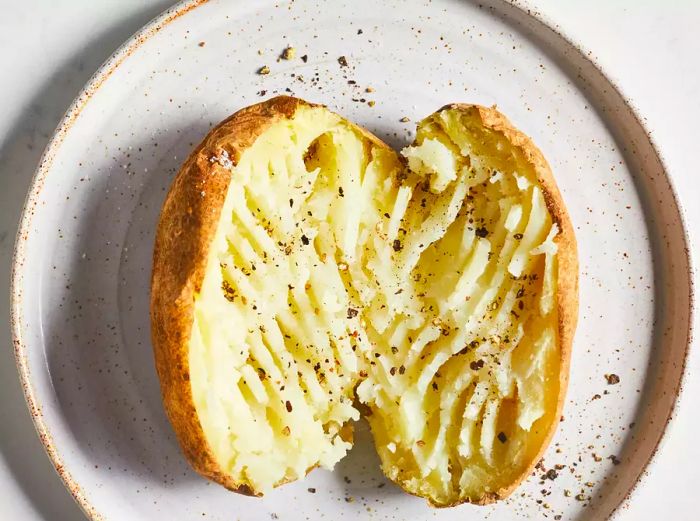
<point>612,379</point>
<point>476,365</point>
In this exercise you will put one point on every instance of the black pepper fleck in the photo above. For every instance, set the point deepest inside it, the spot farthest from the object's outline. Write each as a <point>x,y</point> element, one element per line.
<point>612,379</point>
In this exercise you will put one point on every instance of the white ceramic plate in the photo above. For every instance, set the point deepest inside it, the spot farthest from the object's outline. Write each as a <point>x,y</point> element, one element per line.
<point>81,279</point>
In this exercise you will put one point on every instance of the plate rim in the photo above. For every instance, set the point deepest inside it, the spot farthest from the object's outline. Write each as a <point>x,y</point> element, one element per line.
<point>105,70</point>
<point>526,7</point>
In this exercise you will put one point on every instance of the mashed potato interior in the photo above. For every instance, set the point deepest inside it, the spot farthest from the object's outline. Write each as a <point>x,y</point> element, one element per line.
<point>423,288</point>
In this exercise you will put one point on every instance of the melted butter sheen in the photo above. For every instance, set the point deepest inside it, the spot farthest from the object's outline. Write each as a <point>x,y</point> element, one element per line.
<point>433,288</point>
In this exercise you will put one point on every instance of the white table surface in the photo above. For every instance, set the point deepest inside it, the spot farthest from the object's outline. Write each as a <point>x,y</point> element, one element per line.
<point>49,49</point>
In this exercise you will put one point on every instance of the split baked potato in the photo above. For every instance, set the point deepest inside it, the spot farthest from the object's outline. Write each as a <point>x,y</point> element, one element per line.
<point>304,271</point>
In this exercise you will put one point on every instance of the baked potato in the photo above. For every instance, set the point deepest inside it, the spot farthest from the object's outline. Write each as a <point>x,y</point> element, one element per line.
<point>304,271</point>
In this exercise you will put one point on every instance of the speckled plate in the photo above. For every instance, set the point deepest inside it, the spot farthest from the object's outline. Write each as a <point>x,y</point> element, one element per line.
<point>81,277</point>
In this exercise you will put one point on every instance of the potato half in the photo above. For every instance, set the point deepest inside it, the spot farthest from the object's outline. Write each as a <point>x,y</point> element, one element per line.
<point>301,267</point>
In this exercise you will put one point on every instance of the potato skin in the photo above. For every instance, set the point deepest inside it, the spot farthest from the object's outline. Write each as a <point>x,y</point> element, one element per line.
<point>186,228</point>
<point>188,222</point>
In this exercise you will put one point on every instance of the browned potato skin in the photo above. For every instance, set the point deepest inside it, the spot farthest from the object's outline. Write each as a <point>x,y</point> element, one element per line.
<point>186,228</point>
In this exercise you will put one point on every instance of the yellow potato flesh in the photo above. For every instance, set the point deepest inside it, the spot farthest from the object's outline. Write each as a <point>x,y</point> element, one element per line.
<point>432,287</point>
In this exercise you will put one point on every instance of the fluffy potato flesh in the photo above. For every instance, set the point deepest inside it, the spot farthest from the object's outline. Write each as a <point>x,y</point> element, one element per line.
<point>466,387</point>
<point>426,290</point>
